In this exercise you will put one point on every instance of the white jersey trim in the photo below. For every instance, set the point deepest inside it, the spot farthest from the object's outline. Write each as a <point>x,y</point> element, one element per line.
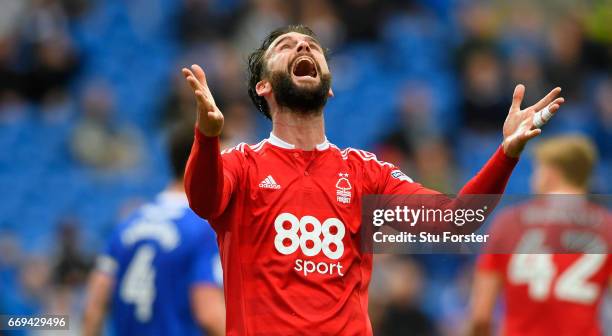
<point>363,155</point>
<point>278,142</point>
<point>259,146</point>
<point>239,147</point>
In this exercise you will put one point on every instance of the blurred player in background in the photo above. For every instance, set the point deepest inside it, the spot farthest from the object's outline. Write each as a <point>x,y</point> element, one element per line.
<point>547,294</point>
<point>160,273</point>
<point>287,211</point>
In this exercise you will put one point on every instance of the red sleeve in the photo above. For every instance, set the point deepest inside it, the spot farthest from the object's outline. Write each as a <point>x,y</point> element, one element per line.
<point>609,269</point>
<point>382,178</point>
<point>493,177</point>
<point>387,179</point>
<point>210,177</point>
<point>492,263</point>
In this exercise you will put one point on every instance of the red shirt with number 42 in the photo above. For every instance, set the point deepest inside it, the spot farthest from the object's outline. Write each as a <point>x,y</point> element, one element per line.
<point>551,294</point>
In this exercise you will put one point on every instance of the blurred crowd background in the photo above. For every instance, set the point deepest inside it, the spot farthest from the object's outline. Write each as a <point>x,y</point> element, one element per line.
<point>88,90</point>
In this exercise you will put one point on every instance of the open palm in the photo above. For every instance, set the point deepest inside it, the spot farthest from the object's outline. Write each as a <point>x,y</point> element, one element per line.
<point>519,127</point>
<point>210,119</point>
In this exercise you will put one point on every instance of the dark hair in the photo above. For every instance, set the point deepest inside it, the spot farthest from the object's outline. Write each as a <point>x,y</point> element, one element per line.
<point>257,69</point>
<point>180,139</point>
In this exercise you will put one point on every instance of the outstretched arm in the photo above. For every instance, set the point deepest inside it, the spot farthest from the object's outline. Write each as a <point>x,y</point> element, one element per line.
<point>522,125</point>
<point>204,178</point>
<point>518,129</point>
<point>98,295</point>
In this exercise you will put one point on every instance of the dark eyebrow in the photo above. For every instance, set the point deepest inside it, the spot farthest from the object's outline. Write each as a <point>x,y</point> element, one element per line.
<point>280,41</point>
<point>313,40</point>
<point>309,38</point>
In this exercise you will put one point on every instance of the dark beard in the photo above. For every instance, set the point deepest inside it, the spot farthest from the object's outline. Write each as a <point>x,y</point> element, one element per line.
<point>303,100</point>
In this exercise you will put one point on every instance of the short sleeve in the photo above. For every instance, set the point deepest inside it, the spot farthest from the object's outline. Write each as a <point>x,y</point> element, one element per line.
<point>495,263</point>
<point>206,267</point>
<point>609,267</point>
<point>108,261</point>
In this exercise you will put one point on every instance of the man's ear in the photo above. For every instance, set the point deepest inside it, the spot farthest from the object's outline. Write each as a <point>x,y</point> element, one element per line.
<point>330,93</point>
<point>263,88</point>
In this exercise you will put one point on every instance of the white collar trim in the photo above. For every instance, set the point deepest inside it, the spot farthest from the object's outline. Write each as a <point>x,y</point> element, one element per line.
<point>276,141</point>
<point>174,197</point>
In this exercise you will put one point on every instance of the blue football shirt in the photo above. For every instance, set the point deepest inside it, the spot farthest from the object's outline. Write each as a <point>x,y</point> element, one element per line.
<point>155,257</point>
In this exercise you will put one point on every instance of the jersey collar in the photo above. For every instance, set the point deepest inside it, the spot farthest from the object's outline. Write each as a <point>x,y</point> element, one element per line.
<point>276,141</point>
<point>173,197</point>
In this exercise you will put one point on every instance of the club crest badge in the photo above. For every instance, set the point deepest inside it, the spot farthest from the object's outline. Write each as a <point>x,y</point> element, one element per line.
<point>343,189</point>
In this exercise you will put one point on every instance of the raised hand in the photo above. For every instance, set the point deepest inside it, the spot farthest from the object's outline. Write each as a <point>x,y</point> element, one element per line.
<point>519,125</point>
<point>209,119</point>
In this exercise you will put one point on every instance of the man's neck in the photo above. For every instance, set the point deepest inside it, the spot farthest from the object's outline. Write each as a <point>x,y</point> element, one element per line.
<point>304,132</point>
<point>567,189</point>
<point>176,186</point>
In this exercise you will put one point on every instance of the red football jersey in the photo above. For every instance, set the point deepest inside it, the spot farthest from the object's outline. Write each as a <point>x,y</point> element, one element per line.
<point>550,294</point>
<point>288,222</point>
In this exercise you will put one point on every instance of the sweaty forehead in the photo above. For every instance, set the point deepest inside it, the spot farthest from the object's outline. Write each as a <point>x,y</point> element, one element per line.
<point>291,36</point>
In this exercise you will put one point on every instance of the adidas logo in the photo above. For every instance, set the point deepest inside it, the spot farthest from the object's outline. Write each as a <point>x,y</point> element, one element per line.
<point>269,183</point>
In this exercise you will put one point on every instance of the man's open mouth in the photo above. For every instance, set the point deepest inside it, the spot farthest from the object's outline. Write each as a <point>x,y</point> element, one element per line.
<point>304,66</point>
